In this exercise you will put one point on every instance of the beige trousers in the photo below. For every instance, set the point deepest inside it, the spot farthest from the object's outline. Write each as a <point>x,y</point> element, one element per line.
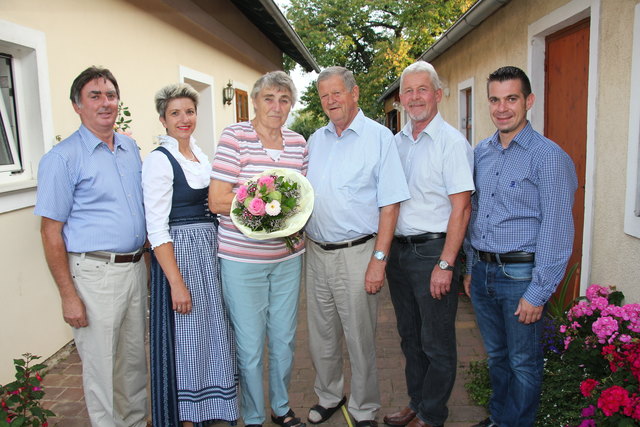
<point>337,303</point>
<point>112,349</point>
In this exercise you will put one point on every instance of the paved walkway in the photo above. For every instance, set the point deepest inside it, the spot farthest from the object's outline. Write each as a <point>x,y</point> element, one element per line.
<point>64,396</point>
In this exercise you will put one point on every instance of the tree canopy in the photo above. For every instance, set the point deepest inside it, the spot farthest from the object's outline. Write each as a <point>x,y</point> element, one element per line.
<point>376,39</point>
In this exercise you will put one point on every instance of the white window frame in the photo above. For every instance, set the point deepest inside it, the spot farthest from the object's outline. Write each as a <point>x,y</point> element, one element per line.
<point>33,109</point>
<point>463,86</point>
<point>632,198</point>
<point>13,146</point>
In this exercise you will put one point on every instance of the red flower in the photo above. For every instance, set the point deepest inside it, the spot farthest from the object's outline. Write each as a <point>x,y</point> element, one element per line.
<point>633,408</point>
<point>612,399</point>
<point>587,386</point>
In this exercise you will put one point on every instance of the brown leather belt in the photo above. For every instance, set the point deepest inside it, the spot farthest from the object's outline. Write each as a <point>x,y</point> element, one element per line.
<point>420,238</point>
<point>117,258</point>
<point>334,246</point>
<point>509,257</point>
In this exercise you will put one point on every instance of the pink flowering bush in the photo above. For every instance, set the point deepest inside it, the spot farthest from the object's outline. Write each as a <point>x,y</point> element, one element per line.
<point>20,400</point>
<point>602,337</point>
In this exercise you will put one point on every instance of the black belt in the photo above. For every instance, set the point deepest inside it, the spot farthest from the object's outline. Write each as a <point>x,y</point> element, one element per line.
<point>117,258</point>
<point>420,238</point>
<point>509,257</point>
<point>334,246</point>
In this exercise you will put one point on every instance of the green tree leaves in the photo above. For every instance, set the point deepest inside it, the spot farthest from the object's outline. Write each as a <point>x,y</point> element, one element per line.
<point>376,39</point>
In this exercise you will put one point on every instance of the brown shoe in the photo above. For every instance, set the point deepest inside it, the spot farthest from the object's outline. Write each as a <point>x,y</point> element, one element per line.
<point>400,418</point>
<point>417,422</point>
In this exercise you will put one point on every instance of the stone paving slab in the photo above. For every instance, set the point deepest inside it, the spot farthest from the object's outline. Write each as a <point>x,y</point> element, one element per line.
<point>64,395</point>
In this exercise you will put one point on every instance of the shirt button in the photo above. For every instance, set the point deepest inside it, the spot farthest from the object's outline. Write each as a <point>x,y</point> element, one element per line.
<point>492,194</point>
<point>487,215</point>
<point>497,173</point>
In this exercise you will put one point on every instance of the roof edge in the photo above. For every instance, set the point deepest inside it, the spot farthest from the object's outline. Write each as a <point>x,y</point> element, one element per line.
<point>285,25</point>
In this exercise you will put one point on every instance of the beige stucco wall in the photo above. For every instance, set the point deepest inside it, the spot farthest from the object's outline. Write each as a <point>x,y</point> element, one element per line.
<point>503,40</point>
<point>144,43</point>
<point>615,254</point>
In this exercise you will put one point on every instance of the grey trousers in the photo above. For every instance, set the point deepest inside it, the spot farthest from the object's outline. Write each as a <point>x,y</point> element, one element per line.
<point>114,361</point>
<point>337,303</point>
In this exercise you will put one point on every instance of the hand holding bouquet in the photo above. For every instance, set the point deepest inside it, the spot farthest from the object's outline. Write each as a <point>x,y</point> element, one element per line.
<point>275,203</point>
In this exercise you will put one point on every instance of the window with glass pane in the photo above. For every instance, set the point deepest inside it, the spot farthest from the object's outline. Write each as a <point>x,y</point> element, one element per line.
<point>9,150</point>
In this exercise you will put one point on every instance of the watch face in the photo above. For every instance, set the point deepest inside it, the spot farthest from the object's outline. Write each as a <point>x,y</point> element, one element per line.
<point>378,255</point>
<point>443,264</point>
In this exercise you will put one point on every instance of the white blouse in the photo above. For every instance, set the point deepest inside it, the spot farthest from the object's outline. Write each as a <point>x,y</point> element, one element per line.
<point>157,185</point>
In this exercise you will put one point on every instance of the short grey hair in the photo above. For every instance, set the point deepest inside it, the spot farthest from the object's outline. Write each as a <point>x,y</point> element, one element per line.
<point>174,91</point>
<point>422,67</point>
<point>343,73</point>
<point>275,79</point>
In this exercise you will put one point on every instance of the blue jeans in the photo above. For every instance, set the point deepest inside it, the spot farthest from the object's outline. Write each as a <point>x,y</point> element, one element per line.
<point>262,300</point>
<point>514,349</point>
<point>426,326</point>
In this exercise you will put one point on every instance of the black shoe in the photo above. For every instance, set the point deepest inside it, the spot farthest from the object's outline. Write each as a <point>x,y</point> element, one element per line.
<point>325,413</point>
<point>293,420</point>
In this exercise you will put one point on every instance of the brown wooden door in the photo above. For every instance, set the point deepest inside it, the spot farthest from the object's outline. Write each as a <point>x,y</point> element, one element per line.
<point>565,112</point>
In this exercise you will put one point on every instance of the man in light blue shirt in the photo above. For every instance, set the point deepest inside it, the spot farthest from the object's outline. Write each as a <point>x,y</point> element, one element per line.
<point>424,265</point>
<point>358,182</point>
<point>521,233</point>
<point>93,230</point>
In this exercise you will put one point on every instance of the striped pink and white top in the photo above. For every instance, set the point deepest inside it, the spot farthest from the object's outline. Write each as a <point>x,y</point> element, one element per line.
<point>239,157</point>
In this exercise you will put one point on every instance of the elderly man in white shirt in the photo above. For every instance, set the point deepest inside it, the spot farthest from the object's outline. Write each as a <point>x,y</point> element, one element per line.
<point>424,268</point>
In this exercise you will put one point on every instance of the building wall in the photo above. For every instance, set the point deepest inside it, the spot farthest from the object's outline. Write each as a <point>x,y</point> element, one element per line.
<point>615,254</point>
<point>144,43</point>
<point>502,39</point>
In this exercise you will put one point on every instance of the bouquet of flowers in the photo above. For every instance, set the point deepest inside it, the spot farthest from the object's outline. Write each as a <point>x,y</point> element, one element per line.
<point>603,337</point>
<point>275,203</point>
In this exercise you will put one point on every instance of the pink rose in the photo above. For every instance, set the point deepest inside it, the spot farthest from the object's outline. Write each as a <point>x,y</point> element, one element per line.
<point>256,207</point>
<point>267,181</point>
<point>242,193</point>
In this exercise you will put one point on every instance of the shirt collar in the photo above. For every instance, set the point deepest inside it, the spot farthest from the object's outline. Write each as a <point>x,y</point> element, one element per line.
<point>432,129</point>
<point>356,125</point>
<point>524,138</point>
<point>91,141</point>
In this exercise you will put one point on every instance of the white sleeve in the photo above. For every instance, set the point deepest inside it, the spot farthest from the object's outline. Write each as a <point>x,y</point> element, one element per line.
<point>157,187</point>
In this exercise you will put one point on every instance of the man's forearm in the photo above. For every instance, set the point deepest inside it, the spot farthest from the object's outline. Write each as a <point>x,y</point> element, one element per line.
<point>386,227</point>
<point>55,253</point>
<point>457,226</point>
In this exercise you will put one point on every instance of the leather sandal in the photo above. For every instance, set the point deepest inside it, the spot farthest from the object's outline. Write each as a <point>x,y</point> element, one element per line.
<point>293,422</point>
<point>325,413</point>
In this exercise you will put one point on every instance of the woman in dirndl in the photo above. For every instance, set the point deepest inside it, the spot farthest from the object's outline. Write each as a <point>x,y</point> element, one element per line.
<point>193,370</point>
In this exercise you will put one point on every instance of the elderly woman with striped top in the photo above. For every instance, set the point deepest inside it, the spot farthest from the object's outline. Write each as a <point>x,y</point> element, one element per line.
<point>260,279</point>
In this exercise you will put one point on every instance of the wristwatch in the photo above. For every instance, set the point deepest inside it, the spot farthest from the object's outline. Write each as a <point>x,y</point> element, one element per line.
<point>444,265</point>
<point>380,256</point>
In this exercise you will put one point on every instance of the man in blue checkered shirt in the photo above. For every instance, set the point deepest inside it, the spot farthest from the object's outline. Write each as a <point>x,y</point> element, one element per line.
<point>521,233</point>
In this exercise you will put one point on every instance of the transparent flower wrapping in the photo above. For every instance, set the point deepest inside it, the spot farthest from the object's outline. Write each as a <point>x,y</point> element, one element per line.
<point>294,223</point>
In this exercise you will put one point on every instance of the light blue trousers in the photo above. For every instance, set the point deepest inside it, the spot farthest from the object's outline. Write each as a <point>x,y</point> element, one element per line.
<point>262,300</point>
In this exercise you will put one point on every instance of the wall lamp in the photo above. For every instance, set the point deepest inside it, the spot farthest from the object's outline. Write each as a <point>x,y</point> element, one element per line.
<point>227,93</point>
